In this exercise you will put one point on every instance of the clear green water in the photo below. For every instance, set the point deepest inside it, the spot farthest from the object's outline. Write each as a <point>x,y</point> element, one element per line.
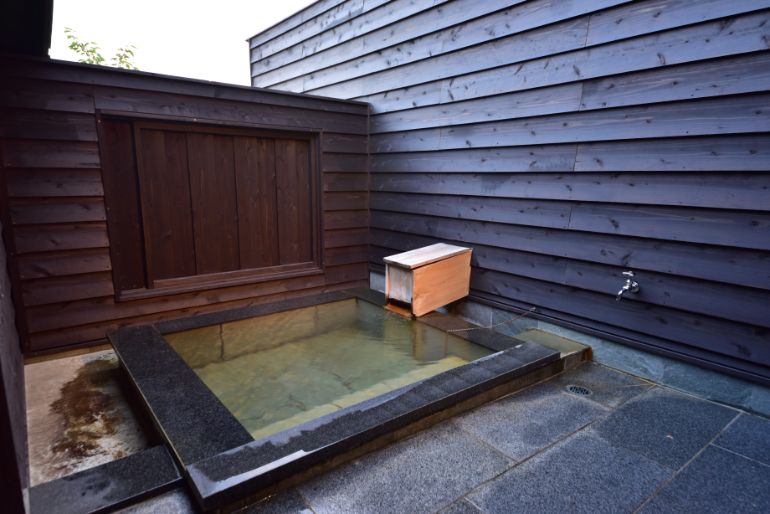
<point>277,371</point>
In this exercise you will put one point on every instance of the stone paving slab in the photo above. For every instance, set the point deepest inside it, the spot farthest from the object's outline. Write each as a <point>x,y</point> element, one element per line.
<point>750,436</point>
<point>176,501</point>
<point>665,426</point>
<point>582,474</point>
<point>421,474</point>
<point>608,387</point>
<point>287,502</point>
<point>525,423</point>
<point>717,481</point>
<point>460,507</point>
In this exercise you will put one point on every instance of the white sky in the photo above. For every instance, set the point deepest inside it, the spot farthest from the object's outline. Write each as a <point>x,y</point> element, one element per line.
<point>193,38</point>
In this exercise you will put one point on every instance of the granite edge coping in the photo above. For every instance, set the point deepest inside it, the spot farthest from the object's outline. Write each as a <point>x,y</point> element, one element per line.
<point>79,493</point>
<point>235,473</point>
<point>197,425</point>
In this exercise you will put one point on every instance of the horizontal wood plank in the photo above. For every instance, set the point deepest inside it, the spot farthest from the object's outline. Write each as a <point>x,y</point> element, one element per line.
<point>656,15</point>
<point>344,143</point>
<point>701,80</point>
<point>415,19</point>
<point>56,264</point>
<point>682,45</point>
<point>54,96</point>
<point>66,288</point>
<point>423,42</point>
<point>342,162</point>
<point>28,212</point>
<point>346,237</point>
<point>537,102</point>
<point>302,16</point>
<point>719,154</point>
<point>19,153</point>
<point>340,201</point>
<point>30,183</point>
<point>42,124</point>
<point>543,158</point>
<point>346,255</point>
<point>346,219</point>
<point>731,76</point>
<point>345,182</point>
<point>704,226</point>
<point>42,238</point>
<point>331,18</point>
<point>344,40</point>
<point>739,114</point>
<point>540,42</point>
<point>740,191</point>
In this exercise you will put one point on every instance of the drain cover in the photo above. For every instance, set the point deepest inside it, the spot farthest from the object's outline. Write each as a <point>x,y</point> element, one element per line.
<point>579,390</point>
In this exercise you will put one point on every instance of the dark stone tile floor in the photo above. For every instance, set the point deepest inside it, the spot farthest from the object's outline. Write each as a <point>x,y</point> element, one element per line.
<point>288,501</point>
<point>629,446</point>
<point>749,436</point>
<point>421,474</point>
<point>665,426</point>
<point>583,473</point>
<point>525,423</point>
<point>716,481</point>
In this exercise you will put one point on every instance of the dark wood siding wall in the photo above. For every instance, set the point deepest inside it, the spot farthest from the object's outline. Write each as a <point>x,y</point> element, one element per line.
<point>53,201</point>
<point>567,142</point>
<point>14,461</point>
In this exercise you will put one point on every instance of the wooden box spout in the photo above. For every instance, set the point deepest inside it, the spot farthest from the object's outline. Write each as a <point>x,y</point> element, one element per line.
<point>427,278</point>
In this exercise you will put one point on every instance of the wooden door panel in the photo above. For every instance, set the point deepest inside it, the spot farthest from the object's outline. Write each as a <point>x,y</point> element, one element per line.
<point>210,205</point>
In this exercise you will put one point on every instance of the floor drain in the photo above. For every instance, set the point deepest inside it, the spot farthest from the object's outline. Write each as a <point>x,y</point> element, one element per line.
<point>579,390</point>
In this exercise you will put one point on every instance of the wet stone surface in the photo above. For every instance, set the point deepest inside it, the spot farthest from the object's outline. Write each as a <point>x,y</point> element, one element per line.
<point>78,416</point>
<point>107,486</point>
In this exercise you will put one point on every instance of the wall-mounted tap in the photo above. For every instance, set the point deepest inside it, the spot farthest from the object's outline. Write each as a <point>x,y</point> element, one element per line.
<point>631,285</point>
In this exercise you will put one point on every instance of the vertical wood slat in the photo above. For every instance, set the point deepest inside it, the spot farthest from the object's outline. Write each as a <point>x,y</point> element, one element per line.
<point>304,200</point>
<point>214,204</point>
<point>294,200</point>
<point>256,193</point>
<point>121,192</point>
<point>165,198</point>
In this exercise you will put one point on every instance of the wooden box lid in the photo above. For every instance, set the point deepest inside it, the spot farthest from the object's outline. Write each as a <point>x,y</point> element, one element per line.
<point>425,255</point>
